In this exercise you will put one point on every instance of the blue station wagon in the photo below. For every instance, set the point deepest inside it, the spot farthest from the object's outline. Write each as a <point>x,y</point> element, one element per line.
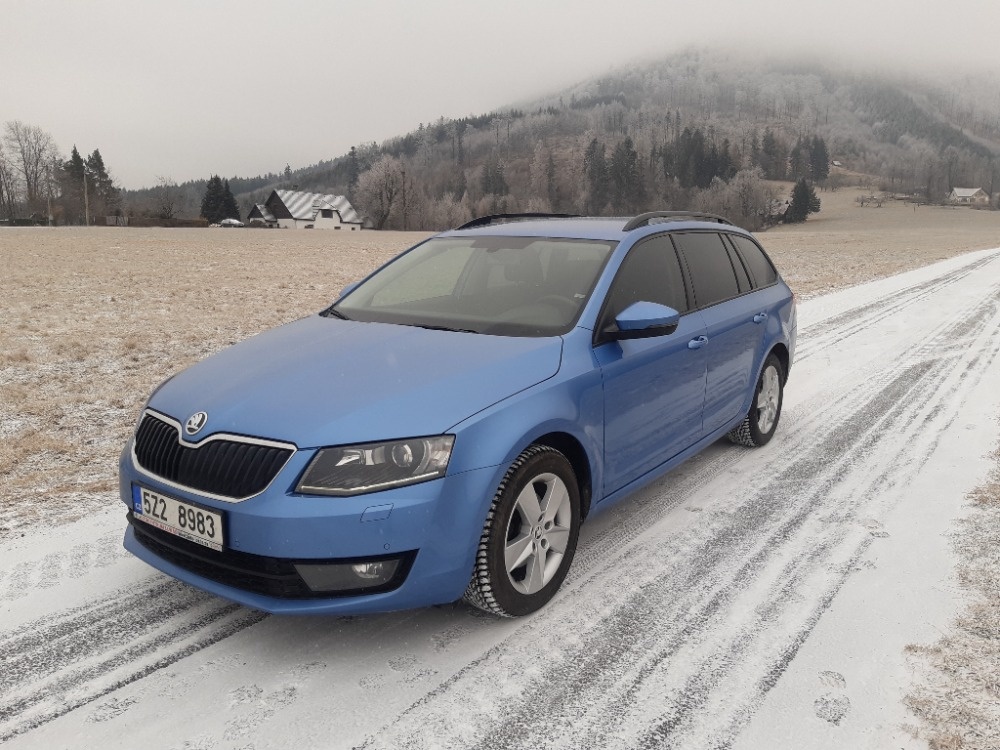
<point>443,429</point>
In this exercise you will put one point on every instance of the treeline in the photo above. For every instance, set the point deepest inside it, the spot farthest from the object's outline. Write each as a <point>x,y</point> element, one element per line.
<point>38,186</point>
<point>435,186</point>
<point>694,131</point>
<point>170,200</point>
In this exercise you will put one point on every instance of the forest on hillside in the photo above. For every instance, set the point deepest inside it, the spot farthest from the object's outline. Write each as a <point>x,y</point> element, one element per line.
<point>693,131</point>
<point>697,130</point>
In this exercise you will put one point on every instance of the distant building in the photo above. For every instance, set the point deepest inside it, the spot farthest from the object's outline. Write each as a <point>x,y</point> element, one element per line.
<point>969,197</point>
<point>298,210</point>
<point>260,215</point>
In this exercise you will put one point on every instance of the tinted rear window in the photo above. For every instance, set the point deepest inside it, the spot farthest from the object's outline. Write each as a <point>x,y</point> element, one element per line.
<point>741,271</point>
<point>708,262</point>
<point>761,268</point>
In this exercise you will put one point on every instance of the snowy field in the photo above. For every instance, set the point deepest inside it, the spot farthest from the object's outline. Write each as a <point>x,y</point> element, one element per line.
<point>750,599</point>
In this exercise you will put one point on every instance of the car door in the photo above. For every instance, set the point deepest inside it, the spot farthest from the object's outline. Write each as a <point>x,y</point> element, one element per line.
<point>732,324</point>
<point>653,387</point>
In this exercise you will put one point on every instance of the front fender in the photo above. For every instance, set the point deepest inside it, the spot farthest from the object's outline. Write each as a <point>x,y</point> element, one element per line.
<point>571,403</point>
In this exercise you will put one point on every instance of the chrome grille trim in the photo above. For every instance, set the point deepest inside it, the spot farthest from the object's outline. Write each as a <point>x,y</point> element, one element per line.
<point>227,458</point>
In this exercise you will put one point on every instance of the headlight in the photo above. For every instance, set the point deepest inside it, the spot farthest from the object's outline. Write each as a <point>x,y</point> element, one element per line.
<point>357,469</point>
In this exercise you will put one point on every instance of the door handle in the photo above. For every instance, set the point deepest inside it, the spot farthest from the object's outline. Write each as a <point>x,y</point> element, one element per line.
<point>698,342</point>
<point>760,317</point>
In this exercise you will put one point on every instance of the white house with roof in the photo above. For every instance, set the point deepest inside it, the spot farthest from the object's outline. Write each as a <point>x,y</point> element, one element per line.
<point>295,209</point>
<point>969,197</point>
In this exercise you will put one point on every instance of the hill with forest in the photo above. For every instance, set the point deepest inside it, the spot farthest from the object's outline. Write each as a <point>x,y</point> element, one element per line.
<point>696,130</point>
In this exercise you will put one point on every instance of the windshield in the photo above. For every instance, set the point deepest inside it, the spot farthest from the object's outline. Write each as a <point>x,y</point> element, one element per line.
<point>508,286</point>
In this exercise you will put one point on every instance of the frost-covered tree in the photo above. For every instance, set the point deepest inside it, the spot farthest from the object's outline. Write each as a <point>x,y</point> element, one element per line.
<point>30,152</point>
<point>8,195</point>
<point>380,189</point>
<point>165,198</point>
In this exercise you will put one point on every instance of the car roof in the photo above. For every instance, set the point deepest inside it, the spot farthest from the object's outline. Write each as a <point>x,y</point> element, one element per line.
<point>590,227</point>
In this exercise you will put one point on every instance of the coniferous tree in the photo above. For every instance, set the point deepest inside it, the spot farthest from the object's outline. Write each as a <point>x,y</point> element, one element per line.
<point>493,182</point>
<point>550,179</point>
<point>212,202</point>
<point>819,160</point>
<point>103,194</point>
<point>595,168</point>
<point>814,203</point>
<point>690,158</point>
<point>799,159</point>
<point>773,156</point>
<point>71,186</point>
<point>804,202</point>
<point>229,209</point>
<point>626,177</point>
<point>353,171</point>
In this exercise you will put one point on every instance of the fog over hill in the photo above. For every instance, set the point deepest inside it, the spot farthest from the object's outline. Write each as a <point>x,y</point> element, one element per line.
<point>698,129</point>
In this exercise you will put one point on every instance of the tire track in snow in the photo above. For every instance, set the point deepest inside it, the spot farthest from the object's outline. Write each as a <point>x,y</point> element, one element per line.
<point>625,663</point>
<point>841,326</point>
<point>56,665</point>
<point>55,567</point>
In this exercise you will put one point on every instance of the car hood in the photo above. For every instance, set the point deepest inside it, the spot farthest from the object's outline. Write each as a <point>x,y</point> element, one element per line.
<point>324,381</point>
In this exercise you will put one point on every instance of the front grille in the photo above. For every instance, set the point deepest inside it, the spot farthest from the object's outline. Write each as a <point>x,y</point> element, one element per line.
<point>227,467</point>
<point>270,576</point>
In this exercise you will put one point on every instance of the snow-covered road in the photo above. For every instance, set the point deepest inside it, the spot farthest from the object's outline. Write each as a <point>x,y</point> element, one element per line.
<point>750,599</point>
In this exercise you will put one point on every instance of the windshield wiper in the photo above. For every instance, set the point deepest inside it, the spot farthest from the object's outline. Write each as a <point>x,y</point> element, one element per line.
<point>441,328</point>
<point>335,313</point>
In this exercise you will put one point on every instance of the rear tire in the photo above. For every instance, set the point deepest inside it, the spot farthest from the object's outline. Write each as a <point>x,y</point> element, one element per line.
<point>761,421</point>
<point>529,537</point>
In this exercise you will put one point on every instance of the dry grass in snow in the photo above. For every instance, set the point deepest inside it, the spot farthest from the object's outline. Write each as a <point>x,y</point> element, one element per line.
<point>93,319</point>
<point>958,695</point>
<point>845,244</point>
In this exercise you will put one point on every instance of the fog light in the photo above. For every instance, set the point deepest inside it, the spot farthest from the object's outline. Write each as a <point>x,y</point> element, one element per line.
<point>366,574</point>
<point>375,571</point>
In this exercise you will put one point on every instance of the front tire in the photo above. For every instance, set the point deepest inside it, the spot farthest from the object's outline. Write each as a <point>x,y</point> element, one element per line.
<point>761,421</point>
<point>529,537</point>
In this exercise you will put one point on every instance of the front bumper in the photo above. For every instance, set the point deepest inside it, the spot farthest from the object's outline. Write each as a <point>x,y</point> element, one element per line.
<point>432,528</point>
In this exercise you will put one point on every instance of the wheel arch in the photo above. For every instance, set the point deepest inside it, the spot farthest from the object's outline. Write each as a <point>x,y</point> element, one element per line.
<point>780,351</point>
<point>574,451</point>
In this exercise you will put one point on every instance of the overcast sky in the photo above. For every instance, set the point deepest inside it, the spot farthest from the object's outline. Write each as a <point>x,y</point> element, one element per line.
<point>188,88</point>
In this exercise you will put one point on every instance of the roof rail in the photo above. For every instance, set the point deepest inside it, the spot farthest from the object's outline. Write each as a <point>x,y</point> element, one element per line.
<point>485,221</point>
<point>647,218</point>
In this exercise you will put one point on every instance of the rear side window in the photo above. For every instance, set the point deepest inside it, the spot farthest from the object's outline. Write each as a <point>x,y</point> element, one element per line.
<point>741,272</point>
<point>649,273</point>
<point>712,274</point>
<point>761,268</point>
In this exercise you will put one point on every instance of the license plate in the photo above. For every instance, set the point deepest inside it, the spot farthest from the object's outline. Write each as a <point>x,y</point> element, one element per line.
<point>177,517</point>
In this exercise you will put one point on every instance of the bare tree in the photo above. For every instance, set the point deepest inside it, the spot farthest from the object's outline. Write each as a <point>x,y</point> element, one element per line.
<point>541,188</point>
<point>8,187</point>
<point>32,151</point>
<point>165,198</point>
<point>381,188</point>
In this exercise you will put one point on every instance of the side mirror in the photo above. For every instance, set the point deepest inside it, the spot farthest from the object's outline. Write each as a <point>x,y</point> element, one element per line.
<point>642,320</point>
<point>348,289</point>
